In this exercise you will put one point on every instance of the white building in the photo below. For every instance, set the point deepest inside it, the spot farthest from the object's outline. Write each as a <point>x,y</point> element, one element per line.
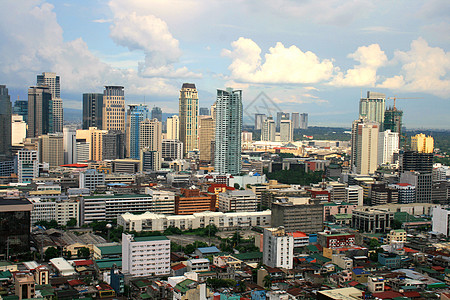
<point>223,221</point>
<point>82,149</point>
<point>28,165</point>
<point>406,192</point>
<point>90,179</point>
<point>18,130</point>
<point>250,179</point>
<point>163,202</point>
<point>197,265</point>
<point>355,194</point>
<point>69,145</point>
<point>441,216</point>
<point>172,149</point>
<point>173,128</point>
<point>268,130</point>
<point>278,248</point>
<point>42,210</point>
<point>145,256</point>
<point>286,131</point>
<point>66,210</point>
<point>388,144</point>
<point>237,201</point>
<point>364,156</point>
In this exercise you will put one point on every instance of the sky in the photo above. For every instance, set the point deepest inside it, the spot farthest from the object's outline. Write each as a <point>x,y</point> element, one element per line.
<point>313,56</point>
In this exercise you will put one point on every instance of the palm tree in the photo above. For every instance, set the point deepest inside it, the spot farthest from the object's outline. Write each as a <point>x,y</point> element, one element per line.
<point>267,280</point>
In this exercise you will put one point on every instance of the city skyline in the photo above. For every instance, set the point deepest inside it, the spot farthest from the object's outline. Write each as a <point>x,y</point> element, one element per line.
<point>316,57</point>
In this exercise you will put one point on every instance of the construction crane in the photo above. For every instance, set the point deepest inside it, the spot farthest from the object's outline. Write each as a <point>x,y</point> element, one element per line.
<point>395,98</point>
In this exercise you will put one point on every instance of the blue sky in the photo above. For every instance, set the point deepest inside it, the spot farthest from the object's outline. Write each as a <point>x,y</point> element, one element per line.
<point>307,56</point>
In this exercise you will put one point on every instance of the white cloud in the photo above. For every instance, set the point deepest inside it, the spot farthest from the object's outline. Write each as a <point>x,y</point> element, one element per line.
<point>303,99</point>
<point>281,64</point>
<point>424,69</point>
<point>370,58</point>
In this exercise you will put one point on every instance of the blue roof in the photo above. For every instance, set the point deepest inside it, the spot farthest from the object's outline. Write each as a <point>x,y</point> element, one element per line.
<point>360,271</point>
<point>256,174</point>
<point>206,250</point>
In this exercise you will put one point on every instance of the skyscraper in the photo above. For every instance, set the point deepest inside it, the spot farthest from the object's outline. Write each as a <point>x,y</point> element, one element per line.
<point>259,120</point>
<point>295,118</point>
<point>135,115</point>
<point>21,108</point>
<point>286,131</point>
<point>157,113</point>
<point>393,122</point>
<point>422,143</point>
<point>114,108</point>
<point>52,149</point>
<point>173,128</point>
<point>188,114</point>
<point>268,130</point>
<point>92,110</point>
<point>387,146</point>
<point>40,111</point>
<point>206,134</point>
<point>70,142</point>
<point>5,125</point>
<point>364,146</point>
<point>150,135</point>
<point>228,131</point>
<point>373,107</point>
<point>281,116</point>
<point>53,82</point>
<point>304,121</point>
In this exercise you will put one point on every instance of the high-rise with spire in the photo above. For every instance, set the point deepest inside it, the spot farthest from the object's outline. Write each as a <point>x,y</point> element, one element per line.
<point>188,115</point>
<point>52,80</point>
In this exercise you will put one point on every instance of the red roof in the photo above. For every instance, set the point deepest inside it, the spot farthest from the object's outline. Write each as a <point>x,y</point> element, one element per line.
<point>353,283</point>
<point>178,267</point>
<point>86,262</point>
<point>409,250</point>
<point>387,295</point>
<point>438,268</point>
<point>75,166</point>
<point>103,287</point>
<point>403,184</point>
<point>412,294</point>
<point>75,282</point>
<point>297,234</point>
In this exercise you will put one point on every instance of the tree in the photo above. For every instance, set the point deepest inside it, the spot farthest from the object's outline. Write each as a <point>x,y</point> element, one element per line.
<point>51,252</point>
<point>171,230</point>
<point>374,244</point>
<point>72,222</point>
<point>237,186</point>
<point>396,224</point>
<point>83,252</point>
<point>267,281</point>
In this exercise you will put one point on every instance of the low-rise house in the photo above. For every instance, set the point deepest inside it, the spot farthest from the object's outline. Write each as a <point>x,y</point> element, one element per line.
<point>389,260</point>
<point>198,265</point>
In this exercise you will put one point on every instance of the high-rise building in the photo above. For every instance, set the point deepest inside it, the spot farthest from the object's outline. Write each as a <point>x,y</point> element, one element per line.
<point>304,121</point>
<point>415,161</point>
<point>306,217</point>
<point>387,146</point>
<point>53,82</point>
<point>393,121</point>
<point>173,128</point>
<point>422,144</point>
<point>113,145</point>
<point>278,248</point>
<point>259,120</point>
<point>40,111</point>
<point>92,110</point>
<point>21,108</point>
<point>295,118</point>
<point>364,156</point>
<point>27,165</point>
<point>52,149</point>
<point>188,114</point>
<point>281,116</point>
<point>373,107</point>
<point>286,131</point>
<point>5,124</point>
<point>206,134</point>
<point>70,142</point>
<point>150,160</point>
<point>135,115</point>
<point>150,135</point>
<point>18,130</point>
<point>113,108</point>
<point>268,130</point>
<point>228,131</point>
<point>172,150</point>
<point>423,183</point>
<point>204,111</point>
<point>156,113</point>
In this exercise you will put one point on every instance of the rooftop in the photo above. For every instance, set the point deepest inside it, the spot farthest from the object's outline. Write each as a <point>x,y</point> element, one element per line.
<point>150,238</point>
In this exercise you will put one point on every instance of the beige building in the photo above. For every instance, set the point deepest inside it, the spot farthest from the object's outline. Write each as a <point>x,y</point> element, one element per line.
<point>18,130</point>
<point>114,108</point>
<point>52,149</point>
<point>268,130</point>
<point>173,128</point>
<point>188,114</point>
<point>150,135</point>
<point>286,131</point>
<point>365,146</point>
<point>396,235</point>
<point>206,134</point>
<point>24,286</point>
<point>422,143</point>
<point>94,137</point>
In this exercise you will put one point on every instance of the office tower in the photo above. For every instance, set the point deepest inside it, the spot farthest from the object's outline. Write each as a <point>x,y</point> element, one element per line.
<point>268,130</point>
<point>364,156</point>
<point>281,116</point>
<point>406,192</point>
<point>304,121</point>
<point>40,111</point>
<point>70,142</point>
<point>27,165</point>
<point>295,118</point>
<point>173,128</point>
<point>237,201</point>
<point>305,216</point>
<point>286,131</point>
<point>422,144</point>
<point>393,121</point>
<point>388,144</point>
<point>90,179</point>
<point>204,111</point>
<point>188,115</point>
<point>52,149</point>
<point>259,121</point>
<point>373,107</point>
<point>415,161</point>
<point>372,220</point>
<point>82,150</point>
<point>113,146</point>
<point>228,131</point>
<point>145,256</point>
<point>92,110</point>
<point>381,194</point>
<point>423,183</point>
<point>172,150</point>
<point>94,138</point>
<point>156,113</point>
<point>149,160</point>
<point>18,130</point>
<point>21,108</point>
<point>15,227</point>
<point>52,81</point>
<point>5,124</point>
<point>135,115</point>
<point>113,108</point>
<point>206,134</point>
<point>278,248</point>
<point>151,135</point>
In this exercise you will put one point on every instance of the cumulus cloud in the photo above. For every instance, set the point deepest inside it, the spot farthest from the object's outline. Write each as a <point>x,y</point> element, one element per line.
<point>281,64</point>
<point>424,69</point>
<point>370,58</point>
<point>36,44</point>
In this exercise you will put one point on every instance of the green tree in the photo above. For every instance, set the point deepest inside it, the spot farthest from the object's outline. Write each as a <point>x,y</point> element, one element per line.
<point>83,252</point>
<point>396,224</point>
<point>171,230</point>
<point>267,281</point>
<point>51,252</point>
<point>237,186</point>
<point>72,222</point>
<point>374,244</point>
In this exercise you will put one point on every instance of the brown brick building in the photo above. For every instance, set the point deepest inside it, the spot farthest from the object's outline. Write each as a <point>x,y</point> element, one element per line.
<point>193,201</point>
